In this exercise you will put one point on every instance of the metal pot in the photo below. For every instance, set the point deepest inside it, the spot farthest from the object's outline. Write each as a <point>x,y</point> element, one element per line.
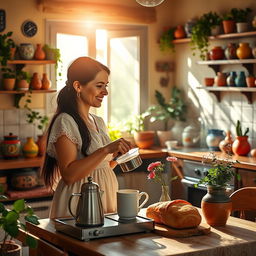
<point>129,161</point>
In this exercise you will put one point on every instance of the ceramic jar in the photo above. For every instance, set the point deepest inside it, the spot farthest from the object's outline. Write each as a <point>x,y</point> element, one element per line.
<point>250,81</point>
<point>226,144</point>
<point>46,83</point>
<point>216,53</point>
<point>190,136</point>
<point>242,27</point>
<point>244,51</point>
<point>36,82</point>
<point>24,179</point>
<point>179,32</point>
<point>216,206</point>
<point>213,139</point>
<point>144,139</point>
<point>30,148</point>
<point>221,79</point>
<point>189,26</point>
<point>231,79</point>
<point>22,85</point>
<point>240,80</point>
<point>11,146</point>
<point>39,52</point>
<point>241,146</point>
<point>230,51</point>
<point>26,51</point>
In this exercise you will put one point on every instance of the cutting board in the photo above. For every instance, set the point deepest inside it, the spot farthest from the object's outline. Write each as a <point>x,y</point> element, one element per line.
<point>166,231</point>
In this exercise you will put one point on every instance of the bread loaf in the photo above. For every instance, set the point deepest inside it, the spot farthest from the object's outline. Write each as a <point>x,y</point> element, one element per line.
<point>176,214</point>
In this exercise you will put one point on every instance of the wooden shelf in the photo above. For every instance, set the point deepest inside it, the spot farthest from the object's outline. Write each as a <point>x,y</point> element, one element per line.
<point>24,92</point>
<point>222,36</point>
<point>226,62</point>
<point>217,91</point>
<point>31,62</point>
<point>20,163</point>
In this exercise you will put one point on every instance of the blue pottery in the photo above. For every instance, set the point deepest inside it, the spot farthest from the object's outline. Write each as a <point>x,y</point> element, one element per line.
<point>240,80</point>
<point>213,139</point>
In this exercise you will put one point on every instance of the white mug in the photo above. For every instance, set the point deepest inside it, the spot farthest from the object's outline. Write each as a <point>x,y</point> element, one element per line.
<point>128,203</point>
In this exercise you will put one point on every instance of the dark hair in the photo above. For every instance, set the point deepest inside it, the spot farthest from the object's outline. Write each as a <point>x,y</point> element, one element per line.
<point>83,70</point>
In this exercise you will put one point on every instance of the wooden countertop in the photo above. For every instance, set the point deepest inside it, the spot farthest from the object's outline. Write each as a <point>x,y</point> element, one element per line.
<point>237,238</point>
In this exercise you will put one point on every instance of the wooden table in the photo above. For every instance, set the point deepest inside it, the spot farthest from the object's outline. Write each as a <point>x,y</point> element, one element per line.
<point>237,238</point>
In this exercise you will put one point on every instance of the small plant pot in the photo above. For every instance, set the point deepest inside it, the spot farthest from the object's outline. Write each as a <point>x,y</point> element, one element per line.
<point>229,26</point>
<point>216,30</point>
<point>144,139</point>
<point>242,27</point>
<point>22,85</point>
<point>9,84</point>
<point>250,81</point>
<point>208,81</point>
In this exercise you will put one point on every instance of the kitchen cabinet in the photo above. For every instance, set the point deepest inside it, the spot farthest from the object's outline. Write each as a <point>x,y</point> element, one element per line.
<point>216,64</point>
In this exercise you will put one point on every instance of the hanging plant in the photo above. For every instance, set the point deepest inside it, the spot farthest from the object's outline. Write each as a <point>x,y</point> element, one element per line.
<point>166,40</point>
<point>201,32</point>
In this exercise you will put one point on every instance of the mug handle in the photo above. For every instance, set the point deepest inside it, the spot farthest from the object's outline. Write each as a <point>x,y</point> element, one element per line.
<point>146,199</point>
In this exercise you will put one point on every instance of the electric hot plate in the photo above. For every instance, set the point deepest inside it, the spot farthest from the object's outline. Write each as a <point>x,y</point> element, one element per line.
<point>113,226</point>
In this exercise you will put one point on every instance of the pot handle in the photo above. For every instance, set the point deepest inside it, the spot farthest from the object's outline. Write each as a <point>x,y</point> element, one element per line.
<point>69,203</point>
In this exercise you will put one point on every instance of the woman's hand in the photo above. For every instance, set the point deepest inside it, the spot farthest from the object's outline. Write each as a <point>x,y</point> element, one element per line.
<point>120,146</point>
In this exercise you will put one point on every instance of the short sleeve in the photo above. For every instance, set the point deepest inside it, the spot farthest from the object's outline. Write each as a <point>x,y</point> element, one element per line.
<point>64,125</point>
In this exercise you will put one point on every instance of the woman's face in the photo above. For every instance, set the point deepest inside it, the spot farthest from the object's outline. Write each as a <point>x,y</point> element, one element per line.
<point>92,94</point>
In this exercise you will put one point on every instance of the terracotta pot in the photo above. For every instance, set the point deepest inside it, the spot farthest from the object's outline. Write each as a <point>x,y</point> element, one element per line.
<point>217,53</point>
<point>241,146</point>
<point>216,206</point>
<point>179,32</point>
<point>244,51</point>
<point>39,53</point>
<point>22,85</point>
<point>230,51</point>
<point>12,248</point>
<point>229,26</point>
<point>221,79</point>
<point>13,51</point>
<point>30,148</point>
<point>36,83</point>
<point>41,143</point>
<point>46,83</point>
<point>144,139</point>
<point>208,81</point>
<point>9,84</point>
<point>250,81</point>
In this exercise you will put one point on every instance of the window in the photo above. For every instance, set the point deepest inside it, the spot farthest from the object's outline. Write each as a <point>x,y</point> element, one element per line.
<point>121,47</point>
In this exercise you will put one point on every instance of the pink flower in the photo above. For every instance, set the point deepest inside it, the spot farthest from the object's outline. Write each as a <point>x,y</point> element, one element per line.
<point>152,166</point>
<point>171,159</point>
<point>151,175</point>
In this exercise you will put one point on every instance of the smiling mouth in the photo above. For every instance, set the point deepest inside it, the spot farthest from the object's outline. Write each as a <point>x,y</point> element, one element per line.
<point>100,99</point>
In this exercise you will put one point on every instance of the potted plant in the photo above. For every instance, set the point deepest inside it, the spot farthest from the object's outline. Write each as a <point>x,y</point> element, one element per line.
<point>201,32</point>
<point>166,40</point>
<point>241,146</point>
<point>9,78</point>
<point>174,109</point>
<point>23,79</point>
<point>6,44</point>
<point>10,224</point>
<point>143,139</point>
<point>241,17</point>
<point>216,204</point>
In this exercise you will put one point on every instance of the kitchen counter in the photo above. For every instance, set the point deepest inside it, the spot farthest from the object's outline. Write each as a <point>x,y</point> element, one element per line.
<point>237,238</point>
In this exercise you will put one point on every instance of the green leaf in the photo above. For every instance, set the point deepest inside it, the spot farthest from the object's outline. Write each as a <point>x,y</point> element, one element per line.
<point>32,219</point>
<point>12,217</point>
<point>2,208</point>
<point>19,205</point>
<point>12,230</point>
<point>31,241</point>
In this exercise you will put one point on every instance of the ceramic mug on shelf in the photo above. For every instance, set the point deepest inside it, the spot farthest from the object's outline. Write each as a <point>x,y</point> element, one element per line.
<point>128,203</point>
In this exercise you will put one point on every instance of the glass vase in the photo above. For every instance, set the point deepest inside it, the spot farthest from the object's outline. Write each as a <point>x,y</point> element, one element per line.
<point>165,194</point>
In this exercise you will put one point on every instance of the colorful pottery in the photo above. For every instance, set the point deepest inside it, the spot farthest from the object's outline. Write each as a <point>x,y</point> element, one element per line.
<point>250,81</point>
<point>216,53</point>
<point>26,51</point>
<point>226,144</point>
<point>241,146</point>
<point>36,82</point>
<point>39,52</point>
<point>11,146</point>
<point>213,139</point>
<point>30,148</point>
<point>208,81</point>
<point>231,79</point>
<point>46,83</point>
<point>24,179</point>
<point>230,51</point>
<point>221,79</point>
<point>216,206</point>
<point>244,51</point>
<point>240,80</point>
<point>179,32</point>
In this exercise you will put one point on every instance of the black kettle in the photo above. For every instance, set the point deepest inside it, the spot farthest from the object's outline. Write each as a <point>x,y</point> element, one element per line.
<point>89,211</point>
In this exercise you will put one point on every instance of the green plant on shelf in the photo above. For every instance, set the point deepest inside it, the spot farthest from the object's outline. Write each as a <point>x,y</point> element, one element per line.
<point>240,15</point>
<point>166,40</point>
<point>239,131</point>
<point>8,73</point>
<point>23,75</point>
<point>6,43</point>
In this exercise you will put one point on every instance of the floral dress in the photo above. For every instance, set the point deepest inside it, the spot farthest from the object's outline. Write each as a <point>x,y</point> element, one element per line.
<point>103,173</point>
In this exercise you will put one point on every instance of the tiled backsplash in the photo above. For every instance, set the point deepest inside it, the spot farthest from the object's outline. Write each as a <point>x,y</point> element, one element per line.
<point>14,121</point>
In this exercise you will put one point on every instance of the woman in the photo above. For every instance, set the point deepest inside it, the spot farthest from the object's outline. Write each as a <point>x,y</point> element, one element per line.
<point>78,145</point>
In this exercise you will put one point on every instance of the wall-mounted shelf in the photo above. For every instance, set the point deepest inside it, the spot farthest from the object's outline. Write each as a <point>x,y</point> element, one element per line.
<point>215,64</point>
<point>31,62</point>
<point>222,36</point>
<point>217,91</point>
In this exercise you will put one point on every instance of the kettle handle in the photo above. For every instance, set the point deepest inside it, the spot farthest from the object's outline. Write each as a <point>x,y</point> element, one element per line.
<point>69,203</point>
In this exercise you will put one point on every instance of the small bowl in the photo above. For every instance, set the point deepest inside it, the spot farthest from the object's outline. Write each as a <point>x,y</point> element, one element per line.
<point>208,81</point>
<point>170,144</point>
